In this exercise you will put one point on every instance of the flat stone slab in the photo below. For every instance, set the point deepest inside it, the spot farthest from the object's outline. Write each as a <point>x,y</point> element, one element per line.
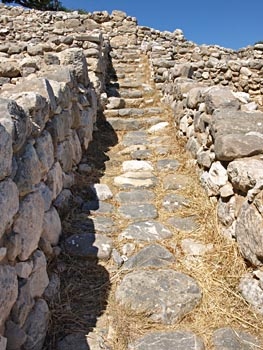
<point>166,295</point>
<point>153,255</point>
<point>89,246</point>
<point>138,211</point>
<point>175,181</point>
<point>179,340</point>
<point>167,164</point>
<point>133,148</point>
<point>101,191</point>
<point>141,179</point>
<point>141,154</point>
<point>158,127</point>
<point>135,196</point>
<point>135,138</point>
<point>232,339</point>
<point>187,224</point>
<point>97,207</point>
<point>136,165</point>
<point>147,231</point>
<point>173,202</point>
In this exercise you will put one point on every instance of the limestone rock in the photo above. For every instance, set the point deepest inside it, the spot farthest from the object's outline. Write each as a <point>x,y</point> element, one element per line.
<point>52,291</point>
<point>28,173</point>
<point>179,340</point>
<point>232,146</point>
<point>131,179</point>
<point>45,151</point>
<point>168,164</point>
<point>51,226</point>
<point>101,191</point>
<point>135,196</point>
<point>9,291</point>
<point>3,342</point>
<point>195,248</point>
<point>153,255</point>
<point>249,231</point>
<point>24,269</point>
<point>28,224</point>
<point>166,295</point>
<point>38,280</point>
<point>15,121</point>
<point>136,165</point>
<point>244,173</point>
<point>220,97</point>
<point>146,231</point>
<point>54,180</point>
<point>173,202</point>
<point>89,246</point>
<point>6,153</point>
<point>9,204</point>
<point>36,326</point>
<point>76,58</point>
<point>251,288</point>
<point>15,336</point>
<point>230,339</point>
<point>187,224</point>
<point>138,211</point>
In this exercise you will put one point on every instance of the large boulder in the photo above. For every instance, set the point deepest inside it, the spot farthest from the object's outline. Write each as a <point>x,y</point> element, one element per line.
<point>166,295</point>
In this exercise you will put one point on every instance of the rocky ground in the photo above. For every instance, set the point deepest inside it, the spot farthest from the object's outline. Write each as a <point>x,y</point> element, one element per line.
<point>143,265</point>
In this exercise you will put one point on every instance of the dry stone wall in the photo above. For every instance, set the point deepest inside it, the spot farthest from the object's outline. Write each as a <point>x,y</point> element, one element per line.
<point>216,96</point>
<point>55,71</point>
<point>52,75</point>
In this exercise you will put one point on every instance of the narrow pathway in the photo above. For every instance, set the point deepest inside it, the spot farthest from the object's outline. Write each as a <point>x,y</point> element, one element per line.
<point>143,266</point>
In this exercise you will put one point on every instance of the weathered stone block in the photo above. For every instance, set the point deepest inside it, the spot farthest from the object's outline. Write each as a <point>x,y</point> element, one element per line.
<point>15,336</point>
<point>75,147</point>
<point>249,231</point>
<point>45,151</point>
<point>28,172</point>
<point>15,121</point>
<point>9,291</point>
<point>219,97</point>
<point>55,180</point>
<point>36,326</point>
<point>38,280</point>
<point>51,226</point>
<point>76,58</point>
<point>6,153</point>
<point>28,224</point>
<point>65,155</point>
<point>9,204</point>
<point>244,173</point>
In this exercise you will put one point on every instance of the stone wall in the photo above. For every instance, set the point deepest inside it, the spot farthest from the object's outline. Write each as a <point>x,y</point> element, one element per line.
<point>222,122</point>
<point>52,75</point>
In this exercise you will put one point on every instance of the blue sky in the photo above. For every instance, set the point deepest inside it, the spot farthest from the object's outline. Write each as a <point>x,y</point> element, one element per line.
<point>228,23</point>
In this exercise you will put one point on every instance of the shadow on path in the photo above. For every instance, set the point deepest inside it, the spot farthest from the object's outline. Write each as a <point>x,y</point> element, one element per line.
<point>85,283</point>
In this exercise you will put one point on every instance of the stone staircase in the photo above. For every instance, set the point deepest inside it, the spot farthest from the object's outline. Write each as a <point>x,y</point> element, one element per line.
<point>141,254</point>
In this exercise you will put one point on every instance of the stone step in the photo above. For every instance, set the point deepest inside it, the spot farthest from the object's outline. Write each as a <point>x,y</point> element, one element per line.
<point>129,124</point>
<point>131,93</point>
<point>133,112</point>
<point>134,102</point>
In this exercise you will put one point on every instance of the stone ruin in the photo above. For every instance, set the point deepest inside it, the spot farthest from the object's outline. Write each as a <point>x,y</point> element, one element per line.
<point>55,72</point>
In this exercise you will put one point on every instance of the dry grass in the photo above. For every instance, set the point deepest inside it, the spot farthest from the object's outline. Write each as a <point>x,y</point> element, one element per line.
<point>89,290</point>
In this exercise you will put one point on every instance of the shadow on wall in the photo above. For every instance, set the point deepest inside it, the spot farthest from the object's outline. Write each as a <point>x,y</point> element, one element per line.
<point>85,284</point>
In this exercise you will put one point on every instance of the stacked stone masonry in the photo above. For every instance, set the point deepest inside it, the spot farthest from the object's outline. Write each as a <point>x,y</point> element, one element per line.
<point>54,77</point>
